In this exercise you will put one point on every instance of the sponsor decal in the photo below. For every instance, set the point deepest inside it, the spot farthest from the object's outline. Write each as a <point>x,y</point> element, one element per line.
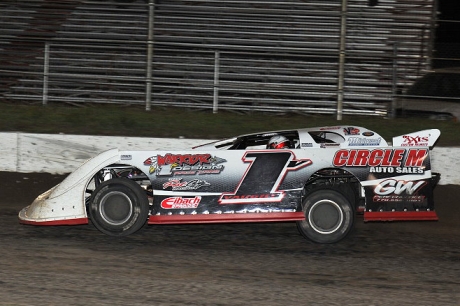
<point>350,131</point>
<point>184,164</point>
<point>358,141</point>
<point>306,145</point>
<point>412,158</point>
<point>414,141</point>
<point>330,128</point>
<point>179,184</point>
<point>368,134</point>
<point>392,190</point>
<point>266,196</point>
<point>126,157</point>
<point>254,188</point>
<point>399,170</point>
<point>180,203</point>
<point>329,145</point>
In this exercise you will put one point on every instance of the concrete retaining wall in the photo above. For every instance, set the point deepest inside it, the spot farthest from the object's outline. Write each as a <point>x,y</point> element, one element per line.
<point>24,152</point>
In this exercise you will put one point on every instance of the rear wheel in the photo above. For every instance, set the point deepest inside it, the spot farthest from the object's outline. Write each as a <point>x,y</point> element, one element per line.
<point>118,207</point>
<point>329,216</point>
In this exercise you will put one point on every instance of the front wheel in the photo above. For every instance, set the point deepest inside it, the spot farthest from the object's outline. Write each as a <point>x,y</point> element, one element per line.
<point>329,216</point>
<point>118,207</point>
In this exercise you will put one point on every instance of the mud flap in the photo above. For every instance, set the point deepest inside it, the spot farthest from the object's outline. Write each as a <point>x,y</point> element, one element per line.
<point>393,200</point>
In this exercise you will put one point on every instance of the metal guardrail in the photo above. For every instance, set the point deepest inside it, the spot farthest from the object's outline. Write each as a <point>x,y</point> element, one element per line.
<point>233,55</point>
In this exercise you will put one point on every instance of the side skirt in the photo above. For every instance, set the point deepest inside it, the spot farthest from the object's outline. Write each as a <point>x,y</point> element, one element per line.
<point>78,221</point>
<point>226,218</point>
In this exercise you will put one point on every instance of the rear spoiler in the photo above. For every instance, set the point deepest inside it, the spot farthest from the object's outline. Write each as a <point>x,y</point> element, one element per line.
<point>424,138</point>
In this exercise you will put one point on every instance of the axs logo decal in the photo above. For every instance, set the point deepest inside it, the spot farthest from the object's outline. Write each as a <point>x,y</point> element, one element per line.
<point>415,141</point>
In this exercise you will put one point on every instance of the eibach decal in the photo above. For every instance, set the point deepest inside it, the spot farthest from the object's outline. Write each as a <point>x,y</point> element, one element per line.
<point>383,160</point>
<point>265,172</point>
<point>177,184</point>
<point>180,203</point>
<point>184,164</point>
<point>392,190</point>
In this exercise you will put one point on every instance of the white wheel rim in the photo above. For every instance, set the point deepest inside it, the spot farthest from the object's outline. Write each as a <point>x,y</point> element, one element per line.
<point>106,214</point>
<point>320,204</point>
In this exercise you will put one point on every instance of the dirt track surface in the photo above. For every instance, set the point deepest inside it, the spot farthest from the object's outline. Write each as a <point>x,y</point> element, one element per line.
<point>406,263</point>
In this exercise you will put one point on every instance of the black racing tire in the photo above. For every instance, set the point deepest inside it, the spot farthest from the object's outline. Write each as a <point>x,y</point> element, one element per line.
<point>118,207</point>
<point>329,216</point>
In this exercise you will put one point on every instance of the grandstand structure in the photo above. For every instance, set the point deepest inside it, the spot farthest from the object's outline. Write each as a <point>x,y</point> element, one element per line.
<point>241,55</point>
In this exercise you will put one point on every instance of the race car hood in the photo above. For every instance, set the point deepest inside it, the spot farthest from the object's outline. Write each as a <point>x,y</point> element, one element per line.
<point>64,204</point>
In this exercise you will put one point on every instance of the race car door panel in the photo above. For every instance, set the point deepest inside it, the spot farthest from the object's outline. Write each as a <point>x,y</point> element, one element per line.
<point>228,181</point>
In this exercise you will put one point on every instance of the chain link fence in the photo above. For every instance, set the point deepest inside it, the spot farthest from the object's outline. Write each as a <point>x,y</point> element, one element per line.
<point>329,57</point>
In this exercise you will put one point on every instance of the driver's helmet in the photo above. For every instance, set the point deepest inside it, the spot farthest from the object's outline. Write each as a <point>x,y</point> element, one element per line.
<point>278,142</point>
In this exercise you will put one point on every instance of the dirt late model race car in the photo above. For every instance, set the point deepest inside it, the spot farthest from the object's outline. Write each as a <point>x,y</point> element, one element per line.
<point>319,177</point>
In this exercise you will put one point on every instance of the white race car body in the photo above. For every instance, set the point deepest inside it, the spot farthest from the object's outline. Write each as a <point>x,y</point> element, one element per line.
<point>239,180</point>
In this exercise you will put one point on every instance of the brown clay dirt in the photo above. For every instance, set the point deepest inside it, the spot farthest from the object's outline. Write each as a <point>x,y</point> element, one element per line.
<point>400,263</point>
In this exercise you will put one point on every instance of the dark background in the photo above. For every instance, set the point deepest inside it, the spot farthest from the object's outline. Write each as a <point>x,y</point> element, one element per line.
<point>447,43</point>
<point>449,31</point>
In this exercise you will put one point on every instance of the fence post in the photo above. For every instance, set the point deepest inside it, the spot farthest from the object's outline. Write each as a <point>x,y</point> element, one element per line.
<point>341,72</point>
<point>148,78</point>
<point>46,69</point>
<point>394,81</point>
<point>215,100</point>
